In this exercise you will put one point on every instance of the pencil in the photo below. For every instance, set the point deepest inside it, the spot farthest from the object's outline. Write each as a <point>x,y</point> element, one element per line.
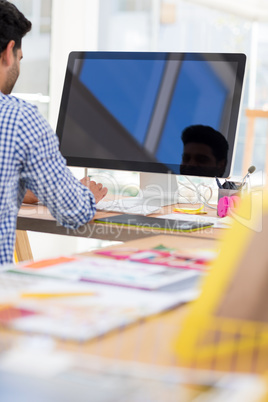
<point>51,295</point>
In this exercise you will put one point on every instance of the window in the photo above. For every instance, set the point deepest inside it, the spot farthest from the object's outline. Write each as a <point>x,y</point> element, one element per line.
<point>180,25</point>
<point>33,84</point>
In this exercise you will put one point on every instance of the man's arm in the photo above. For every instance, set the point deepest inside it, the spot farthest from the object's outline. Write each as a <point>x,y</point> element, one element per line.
<point>45,173</point>
<point>97,190</point>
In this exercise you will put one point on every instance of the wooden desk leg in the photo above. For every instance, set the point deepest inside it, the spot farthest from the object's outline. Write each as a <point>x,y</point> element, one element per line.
<point>22,246</point>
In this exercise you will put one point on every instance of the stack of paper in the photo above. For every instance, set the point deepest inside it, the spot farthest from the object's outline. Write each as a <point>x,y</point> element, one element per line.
<point>74,310</point>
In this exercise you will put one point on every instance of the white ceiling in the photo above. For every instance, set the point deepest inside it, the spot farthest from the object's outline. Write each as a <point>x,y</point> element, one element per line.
<point>254,10</point>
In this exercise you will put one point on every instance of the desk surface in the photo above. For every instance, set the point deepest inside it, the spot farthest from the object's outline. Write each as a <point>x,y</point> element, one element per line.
<point>151,340</point>
<point>148,340</point>
<point>37,218</point>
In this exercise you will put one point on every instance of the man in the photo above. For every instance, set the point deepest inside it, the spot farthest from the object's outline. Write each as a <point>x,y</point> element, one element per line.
<point>205,151</point>
<point>29,154</point>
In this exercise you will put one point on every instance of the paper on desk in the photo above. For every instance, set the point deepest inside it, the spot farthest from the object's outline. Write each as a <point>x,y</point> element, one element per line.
<point>113,272</point>
<point>222,223</point>
<point>81,317</point>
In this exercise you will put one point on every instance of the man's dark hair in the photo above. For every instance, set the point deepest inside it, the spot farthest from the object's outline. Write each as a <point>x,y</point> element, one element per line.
<point>13,25</point>
<point>207,135</point>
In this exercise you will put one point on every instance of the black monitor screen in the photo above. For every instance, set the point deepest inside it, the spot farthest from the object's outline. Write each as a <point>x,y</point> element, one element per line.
<point>151,111</point>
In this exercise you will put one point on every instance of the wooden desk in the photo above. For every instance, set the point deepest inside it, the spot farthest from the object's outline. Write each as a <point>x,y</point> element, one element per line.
<point>126,343</point>
<point>150,340</point>
<point>37,218</point>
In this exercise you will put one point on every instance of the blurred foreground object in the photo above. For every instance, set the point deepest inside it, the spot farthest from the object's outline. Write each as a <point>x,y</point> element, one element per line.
<point>227,327</point>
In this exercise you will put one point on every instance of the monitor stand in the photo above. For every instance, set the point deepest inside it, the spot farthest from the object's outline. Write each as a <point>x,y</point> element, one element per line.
<point>156,189</point>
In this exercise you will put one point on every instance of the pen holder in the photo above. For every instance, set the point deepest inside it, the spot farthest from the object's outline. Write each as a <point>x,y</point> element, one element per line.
<point>227,200</point>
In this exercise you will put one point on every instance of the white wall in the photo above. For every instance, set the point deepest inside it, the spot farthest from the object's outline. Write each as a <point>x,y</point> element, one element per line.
<point>74,27</point>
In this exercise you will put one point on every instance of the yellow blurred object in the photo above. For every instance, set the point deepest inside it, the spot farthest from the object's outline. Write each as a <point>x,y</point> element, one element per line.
<point>52,295</point>
<point>15,257</point>
<point>227,326</point>
<point>194,211</point>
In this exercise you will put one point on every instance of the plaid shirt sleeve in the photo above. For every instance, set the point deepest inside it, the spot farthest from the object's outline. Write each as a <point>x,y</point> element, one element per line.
<point>44,171</point>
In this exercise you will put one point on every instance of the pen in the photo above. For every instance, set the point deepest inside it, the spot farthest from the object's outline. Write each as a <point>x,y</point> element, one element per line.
<point>218,182</point>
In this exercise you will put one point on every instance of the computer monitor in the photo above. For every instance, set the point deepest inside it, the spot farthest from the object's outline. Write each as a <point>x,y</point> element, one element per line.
<point>152,112</point>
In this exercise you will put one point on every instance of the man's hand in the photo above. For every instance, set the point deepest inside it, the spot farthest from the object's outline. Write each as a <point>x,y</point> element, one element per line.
<point>97,189</point>
<point>30,198</point>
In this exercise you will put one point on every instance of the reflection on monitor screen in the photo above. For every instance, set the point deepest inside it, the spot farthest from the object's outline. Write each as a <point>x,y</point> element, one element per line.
<point>151,112</point>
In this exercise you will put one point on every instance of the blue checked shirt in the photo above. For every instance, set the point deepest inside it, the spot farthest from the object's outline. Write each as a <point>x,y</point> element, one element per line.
<point>30,159</point>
